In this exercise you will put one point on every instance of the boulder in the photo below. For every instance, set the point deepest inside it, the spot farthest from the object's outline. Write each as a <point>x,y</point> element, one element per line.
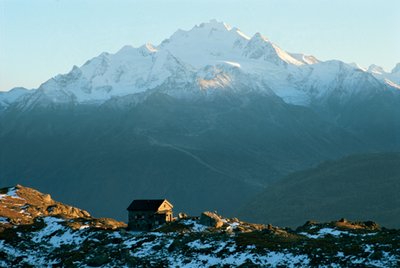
<point>47,199</point>
<point>182,215</point>
<point>211,219</point>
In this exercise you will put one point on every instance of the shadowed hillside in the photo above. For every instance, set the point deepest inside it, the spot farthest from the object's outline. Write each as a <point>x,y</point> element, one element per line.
<point>199,154</point>
<point>357,187</point>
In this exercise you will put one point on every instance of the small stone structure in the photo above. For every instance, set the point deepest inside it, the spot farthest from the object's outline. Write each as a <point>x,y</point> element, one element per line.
<point>147,214</point>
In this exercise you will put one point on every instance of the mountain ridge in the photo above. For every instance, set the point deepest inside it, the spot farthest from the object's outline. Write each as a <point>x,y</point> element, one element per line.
<point>209,57</point>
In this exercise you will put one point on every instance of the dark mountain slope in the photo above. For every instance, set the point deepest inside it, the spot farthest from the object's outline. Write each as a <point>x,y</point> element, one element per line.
<point>362,186</point>
<point>373,117</point>
<point>200,154</point>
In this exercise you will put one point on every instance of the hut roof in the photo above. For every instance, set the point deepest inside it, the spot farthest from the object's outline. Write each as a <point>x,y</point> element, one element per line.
<point>146,204</point>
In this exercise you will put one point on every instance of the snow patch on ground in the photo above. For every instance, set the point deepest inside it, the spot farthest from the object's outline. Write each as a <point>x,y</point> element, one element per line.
<point>224,245</point>
<point>51,227</point>
<point>326,231</point>
<point>84,227</point>
<point>145,249</point>
<point>27,257</point>
<point>232,226</point>
<point>333,232</point>
<point>132,241</point>
<point>12,192</point>
<point>340,254</point>
<point>115,234</point>
<point>196,227</point>
<point>69,237</point>
<point>197,244</point>
<point>271,259</point>
<point>57,235</point>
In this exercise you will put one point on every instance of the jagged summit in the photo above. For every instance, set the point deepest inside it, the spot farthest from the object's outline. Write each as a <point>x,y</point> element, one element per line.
<point>396,69</point>
<point>375,69</point>
<point>208,30</point>
<point>306,59</point>
<point>259,47</point>
<point>392,79</point>
<point>225,56</point>
<point>259,37</point>
<point>215,24</point>
<point>357,66</point>
<point>7,98</point>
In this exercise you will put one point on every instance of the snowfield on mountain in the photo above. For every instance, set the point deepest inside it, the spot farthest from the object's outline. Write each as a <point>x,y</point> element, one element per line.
<point>210,57</point>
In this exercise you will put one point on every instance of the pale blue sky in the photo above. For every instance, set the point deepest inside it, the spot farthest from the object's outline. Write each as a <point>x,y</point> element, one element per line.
<point>41,38</point>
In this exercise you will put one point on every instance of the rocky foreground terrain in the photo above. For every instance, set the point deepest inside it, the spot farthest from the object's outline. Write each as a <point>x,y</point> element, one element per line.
<point>37,231</point>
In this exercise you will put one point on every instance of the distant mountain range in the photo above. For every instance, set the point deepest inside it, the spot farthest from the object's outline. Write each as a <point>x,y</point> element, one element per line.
<point>209,58</point>
<point>207,119</point>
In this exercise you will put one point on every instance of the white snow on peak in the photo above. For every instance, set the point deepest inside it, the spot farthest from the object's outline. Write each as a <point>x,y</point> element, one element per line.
<point>357,66</point>
<point>234,64</point>
<point>259,47</point>
<point>375,69</point>
<point>212,55</point>
<point>213,23</point>
<point>147,49</point>
<point>305,59</point>
<point>392,79</point>
<point>259,36</point>
<point>392,84</point>
<point>396,69</point>
<point>8,97</point>
<point>11,193</point>
<point>206,44</point>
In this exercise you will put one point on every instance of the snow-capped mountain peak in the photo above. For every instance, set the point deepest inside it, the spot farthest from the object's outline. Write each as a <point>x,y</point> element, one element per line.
<point>305,59</point>
<point>260,38</point>
<point>214,24</point>
<point>357,66</point>
<point>259,47</point>
<point>375,69</point>
<point>392,79</point>
<point>206,44</point>
<point>7,98</point>
<point>396,69</point>
<point>210,56</point>
<point>147,49</point>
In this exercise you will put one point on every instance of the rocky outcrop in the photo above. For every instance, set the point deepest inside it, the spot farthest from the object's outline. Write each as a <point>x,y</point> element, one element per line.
<point>211,219</point>
<point>343,225</point>
<point>365,225</point>
<point>21,205</point>
<point>65,236</point>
